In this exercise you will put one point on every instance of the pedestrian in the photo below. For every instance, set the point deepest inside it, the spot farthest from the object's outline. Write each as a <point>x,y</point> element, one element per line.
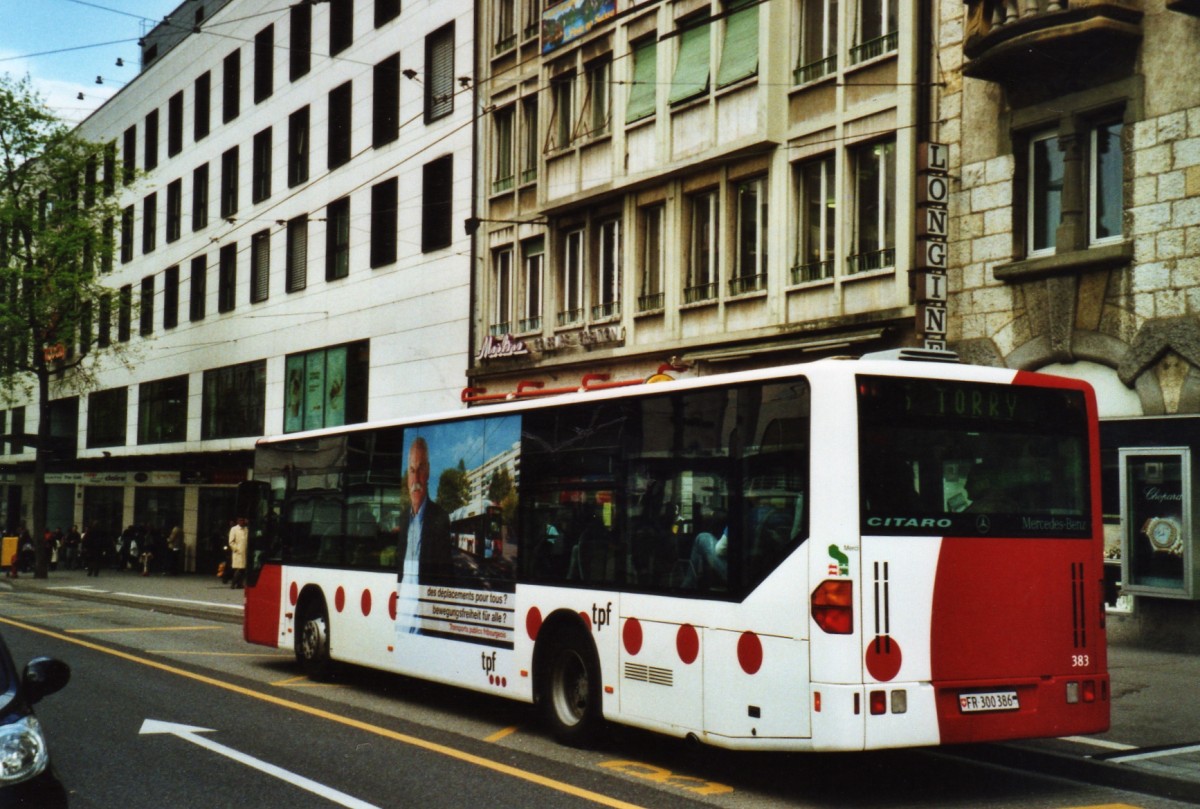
<point>174,551</point>
<point>71,548</point>
<point>239,540</point>
<point>93,545</point>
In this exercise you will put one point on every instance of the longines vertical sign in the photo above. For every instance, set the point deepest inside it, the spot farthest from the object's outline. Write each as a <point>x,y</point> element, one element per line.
<point>929,270</point>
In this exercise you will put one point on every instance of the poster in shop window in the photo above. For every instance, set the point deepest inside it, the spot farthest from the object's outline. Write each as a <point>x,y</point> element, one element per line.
<point>1156,517</point>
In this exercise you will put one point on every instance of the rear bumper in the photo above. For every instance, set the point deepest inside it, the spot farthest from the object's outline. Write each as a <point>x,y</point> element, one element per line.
<point>1046,708</point>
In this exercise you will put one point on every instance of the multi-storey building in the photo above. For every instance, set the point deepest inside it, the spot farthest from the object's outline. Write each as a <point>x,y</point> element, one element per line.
<point>694,185</point>
<point>287,257</point>
<point>1075,247</point>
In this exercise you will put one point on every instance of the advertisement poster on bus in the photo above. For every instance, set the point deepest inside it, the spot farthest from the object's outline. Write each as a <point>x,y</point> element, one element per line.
<point>456,559</point>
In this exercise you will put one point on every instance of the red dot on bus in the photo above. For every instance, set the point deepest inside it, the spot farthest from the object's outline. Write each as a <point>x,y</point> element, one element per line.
<point>632,635</point>
<point>750,652</point>
<point>533,622</point>
<point>491,679</point>
<point>504,682</point>
<point>393,599</point>
<point>687,643</point>
<point>294,593</point>
<point>339,599</point>
<point>883,658</point>
<point>587,620</point>
<point>366,602</point>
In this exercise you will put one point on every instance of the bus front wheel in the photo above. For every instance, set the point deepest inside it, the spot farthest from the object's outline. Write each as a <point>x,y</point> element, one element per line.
<point>570,692</point>
<point>312,645</point>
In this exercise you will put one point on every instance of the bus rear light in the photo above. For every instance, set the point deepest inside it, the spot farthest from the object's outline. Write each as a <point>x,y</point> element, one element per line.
<point>900,701</point>
<point>833,606</point>
<point>878,703</point>
<point>816,702</point>
<point>1089,690</point>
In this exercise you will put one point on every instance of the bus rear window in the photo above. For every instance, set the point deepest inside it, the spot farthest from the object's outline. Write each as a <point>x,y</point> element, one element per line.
<point>948,458</point>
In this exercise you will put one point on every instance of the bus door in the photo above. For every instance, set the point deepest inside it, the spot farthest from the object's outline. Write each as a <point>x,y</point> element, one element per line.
<point>263,581</point>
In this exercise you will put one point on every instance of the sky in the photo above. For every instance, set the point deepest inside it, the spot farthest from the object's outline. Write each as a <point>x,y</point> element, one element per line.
<point>63,45</point>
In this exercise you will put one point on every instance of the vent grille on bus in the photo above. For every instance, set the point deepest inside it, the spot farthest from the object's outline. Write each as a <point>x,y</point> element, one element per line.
<point>649,674</point>
<point>1078,613</point>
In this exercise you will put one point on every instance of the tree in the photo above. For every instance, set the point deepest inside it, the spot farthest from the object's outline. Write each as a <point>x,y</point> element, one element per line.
<point>454,490</point>
<point>56,226</point>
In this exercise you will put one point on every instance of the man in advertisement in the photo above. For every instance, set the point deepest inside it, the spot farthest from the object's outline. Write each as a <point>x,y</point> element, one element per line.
<point>424,548</point>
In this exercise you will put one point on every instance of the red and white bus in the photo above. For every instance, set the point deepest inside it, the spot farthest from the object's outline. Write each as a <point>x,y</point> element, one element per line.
<point>841,555</point>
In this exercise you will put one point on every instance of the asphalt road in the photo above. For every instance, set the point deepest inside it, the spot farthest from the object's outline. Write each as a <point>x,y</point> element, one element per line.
<point>273,738</point>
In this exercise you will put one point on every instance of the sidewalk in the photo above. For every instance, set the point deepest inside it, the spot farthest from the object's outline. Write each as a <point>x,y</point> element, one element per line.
<point>1153,745</point>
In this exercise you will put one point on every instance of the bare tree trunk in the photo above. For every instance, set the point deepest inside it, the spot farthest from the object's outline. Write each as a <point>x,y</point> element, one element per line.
<point>38,515</point>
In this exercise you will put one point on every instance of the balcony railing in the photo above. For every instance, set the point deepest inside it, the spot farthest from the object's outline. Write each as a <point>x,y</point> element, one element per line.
<point>815,70</point>
<point>606,311</point>
<point>506,43</point>
<point>875,260</point>
<point>528,324</point>
<point>569,317</point>
<point>499,329</point>
<point>700,292</point>
<point>874,47</point>
<point>745,284</point>
<point>651,302</point>
<point>813,271</point>
<point>1022,41</point>
<point>502,184</point>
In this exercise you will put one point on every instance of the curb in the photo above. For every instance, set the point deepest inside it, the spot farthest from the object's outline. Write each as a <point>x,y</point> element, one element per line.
<point>230,614</point>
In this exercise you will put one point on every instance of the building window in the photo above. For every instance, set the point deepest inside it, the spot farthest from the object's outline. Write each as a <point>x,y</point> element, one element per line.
<point>817,209</point>
<point>231,97</point>
<point>233,401</point>
<point>260,186</point>
<point>818,40</point>
<point>531,148</point>
<point>171,297</point>
<point>502,292</point>
<point>502,142</point>
<point>104,321</point>
<point>127,234</point>
<point>203,107</point>
<point>341,25</point>
<point>702,267</point>
<point>643,92</point>
<point>175,124</point>
<point>110,168</point>
<point>200,198</point>
<point>606,297</point>
<point>149,223</point>
<point>439,73</point>
<point>1045,192</point>
<point>129,154</point>
<point>124,313</point>
<point>693,66</point>
<point>531,13</point>
<point>874,244</point>
<point>264,64</point>
<point>162,410</point>
<point>437,203</point>
<point>751,260</point>
<point>599,102</point>
<point>297,254</point>
<point>1106,167</point>
<point>227,278</point>
<point>107,415</point>
<point>174,210</point>
<point>229,183</point>
<point>298,147</point>
<point>739,50</point>
<point>384,222</point>
<point>562,92</point>
<point>531,294</point>
<point>650,231</point>
<point>260,266</point>
<point>337,239</point>
<point>386,11</point>
<point>339,125</point>
<point>299,40</point>
<point>198,289</point>
<point>326,387</point>
<point>385,120</point>
<point>146,307</point>
<point>506,25</point>
<point>877,30</point>
<point>151,144</point>
<point>570,310</point>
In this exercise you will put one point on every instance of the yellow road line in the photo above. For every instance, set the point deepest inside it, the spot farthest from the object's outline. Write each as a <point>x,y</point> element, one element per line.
<point>500,734</point>
<point>140,629</point>
<point>403,738</point>
<point>266,655</point>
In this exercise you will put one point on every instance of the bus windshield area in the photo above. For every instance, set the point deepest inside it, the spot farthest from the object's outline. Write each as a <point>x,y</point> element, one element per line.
<point>946,458</point>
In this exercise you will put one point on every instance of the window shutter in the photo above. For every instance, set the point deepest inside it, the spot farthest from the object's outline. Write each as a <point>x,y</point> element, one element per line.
<point>691,71</point>
<point>439,74</point>
<point>642,94</point>
<point>261,266</point>
<point>297,254</point>
<point>739,56</point>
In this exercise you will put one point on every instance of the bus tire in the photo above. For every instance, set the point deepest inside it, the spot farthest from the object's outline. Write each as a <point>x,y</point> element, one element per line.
<point>569,697</point>
<point>312,644</point>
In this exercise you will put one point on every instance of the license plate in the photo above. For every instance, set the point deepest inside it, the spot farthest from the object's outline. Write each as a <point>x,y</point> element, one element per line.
<point>989,701</point>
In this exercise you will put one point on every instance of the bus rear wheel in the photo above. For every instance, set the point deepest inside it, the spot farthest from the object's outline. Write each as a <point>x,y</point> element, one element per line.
<point>312,645</point>
<point>570,689</point>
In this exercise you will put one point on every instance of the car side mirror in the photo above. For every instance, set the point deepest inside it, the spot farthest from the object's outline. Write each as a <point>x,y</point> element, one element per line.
<point>43,676</point>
